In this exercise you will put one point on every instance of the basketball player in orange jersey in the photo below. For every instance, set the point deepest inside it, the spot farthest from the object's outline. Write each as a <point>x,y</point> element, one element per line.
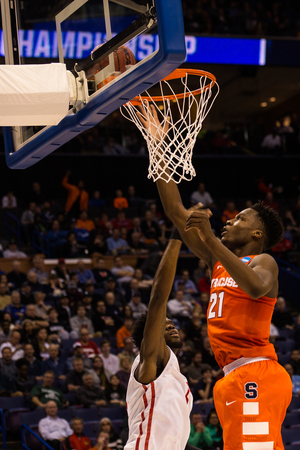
<point>158,397</point>
<point>252,398</point>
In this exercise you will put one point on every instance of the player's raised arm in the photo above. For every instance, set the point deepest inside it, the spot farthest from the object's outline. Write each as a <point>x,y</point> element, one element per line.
<point>153,349</point>
<point>172,203</point>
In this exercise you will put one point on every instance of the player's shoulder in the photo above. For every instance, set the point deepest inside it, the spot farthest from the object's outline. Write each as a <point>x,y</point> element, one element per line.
<point>265,260</point>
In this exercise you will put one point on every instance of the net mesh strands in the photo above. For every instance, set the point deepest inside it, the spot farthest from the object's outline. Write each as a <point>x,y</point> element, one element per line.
<point>181,110</point>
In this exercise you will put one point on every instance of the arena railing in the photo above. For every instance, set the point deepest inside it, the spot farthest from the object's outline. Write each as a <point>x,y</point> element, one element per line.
<point>25,429</point>
<point>2,428</point>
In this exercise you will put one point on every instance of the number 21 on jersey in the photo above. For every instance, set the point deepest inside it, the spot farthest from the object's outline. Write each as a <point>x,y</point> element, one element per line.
<point>216,305</point>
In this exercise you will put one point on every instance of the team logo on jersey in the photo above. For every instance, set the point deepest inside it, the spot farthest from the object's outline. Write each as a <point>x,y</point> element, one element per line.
<point>246,259</point>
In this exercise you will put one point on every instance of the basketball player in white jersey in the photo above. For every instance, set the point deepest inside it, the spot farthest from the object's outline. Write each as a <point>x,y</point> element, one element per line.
<point>158,398</point>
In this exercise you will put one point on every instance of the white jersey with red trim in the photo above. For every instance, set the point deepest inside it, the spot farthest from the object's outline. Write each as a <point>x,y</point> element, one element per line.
<point>158,413</point>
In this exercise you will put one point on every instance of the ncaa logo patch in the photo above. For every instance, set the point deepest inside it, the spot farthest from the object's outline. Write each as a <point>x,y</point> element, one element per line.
<point>246,259</point>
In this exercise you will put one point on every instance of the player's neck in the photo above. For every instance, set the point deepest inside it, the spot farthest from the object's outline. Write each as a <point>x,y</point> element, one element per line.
<point>251,248</point>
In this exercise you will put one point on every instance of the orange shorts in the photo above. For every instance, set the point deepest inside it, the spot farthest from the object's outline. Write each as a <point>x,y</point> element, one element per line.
<point>251,402</point>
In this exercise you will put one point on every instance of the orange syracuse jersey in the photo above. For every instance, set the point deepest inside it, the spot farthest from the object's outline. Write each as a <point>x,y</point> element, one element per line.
<point>238,326</point>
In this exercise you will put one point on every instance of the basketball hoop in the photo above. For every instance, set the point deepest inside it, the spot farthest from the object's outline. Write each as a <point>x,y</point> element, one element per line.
<point>182,100</point>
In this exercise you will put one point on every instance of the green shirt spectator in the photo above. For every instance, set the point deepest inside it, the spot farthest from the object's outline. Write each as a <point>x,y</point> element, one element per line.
<point>200,436</point>
<point>42,394</point>
<point>212,423</point>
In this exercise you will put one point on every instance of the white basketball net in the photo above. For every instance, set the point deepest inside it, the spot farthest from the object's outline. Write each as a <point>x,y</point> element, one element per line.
<point>170,151</point>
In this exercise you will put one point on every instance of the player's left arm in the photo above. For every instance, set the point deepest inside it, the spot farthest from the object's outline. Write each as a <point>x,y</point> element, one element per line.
<point>257,279</point>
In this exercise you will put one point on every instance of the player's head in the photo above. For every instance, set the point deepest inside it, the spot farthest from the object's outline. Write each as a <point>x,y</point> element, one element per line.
<point>171,334</point>
<point>259,224</point>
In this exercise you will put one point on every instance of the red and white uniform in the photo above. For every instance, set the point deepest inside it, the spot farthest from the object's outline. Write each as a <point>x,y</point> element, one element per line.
<point>158,413</point>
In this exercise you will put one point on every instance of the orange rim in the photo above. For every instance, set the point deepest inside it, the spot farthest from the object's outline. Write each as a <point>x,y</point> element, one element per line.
<point>179,73</point>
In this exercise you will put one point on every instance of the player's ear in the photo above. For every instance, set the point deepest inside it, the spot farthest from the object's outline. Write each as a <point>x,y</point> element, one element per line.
<point>258,234</point>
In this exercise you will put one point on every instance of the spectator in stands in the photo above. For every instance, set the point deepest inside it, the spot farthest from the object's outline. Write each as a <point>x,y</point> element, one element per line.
<point>180,308</point>
<point>17,351</point>
<point>272,142</point>
<point>122,273</point>
<point>78,353</point>
<point>199,435</point>
<point>9,201</point>
<point>81,321</point>
<point>133,200</point>
<point>13,251</point>
<point>8,366</point>
<point>229,212</point>
<point>121,221</point>
<point>97,243</point>
<point>116,244</point>
<point>27,221</point>
<point>203,390</point>
<point>101,273</point>
<point>37,322</point>
<point>55,364</point>
<point>84,275</point>
<point>41,394</point>
<point>150,230</point>
<point>295,361</point>
<point>61,270</point>
<point>90,348</point>
<point>125,369</point>
<point>84,223</point>
<point>110,361</point>
<point>203,302</point>
<point>16,277</point>
<point>74,377</point>
<point>213,424</point>
<point>89,395</point>
<point>115,443</point>
<point>99,374</point>
<point>77,199</point>
<point>112,308</point>
<point>42,344</point>
<point>74,293</point>
<point>54,430</point>
<point>41,309</point>
<point>23,382</point>
<point>56,327</point>
<point>16,309</point>
<point>115,393</point>
<point>5,298</point>
<point>202,196</point>
<point>111,286</point>
<point>36,194</point>
<point>282,318</point>
<point>78,441</point>
<point>120,202</point>
<point>37,268</point>
<point>102,441</point>
<point>33,282</point>
<point>90,289</point>
<point>295,379</point>
<point>137,307</point>
<point>5,330</point>
<point>204,282</point>
<point>28,333</point>
<point>26,294</point>
<point>269,201</point>
<point>96,201</point>
<point>189,285</point>
<point>35,367</point>
<point>57,239</point>
<point>124,332</point>
<point>194,370</point>
<point>128,349</point>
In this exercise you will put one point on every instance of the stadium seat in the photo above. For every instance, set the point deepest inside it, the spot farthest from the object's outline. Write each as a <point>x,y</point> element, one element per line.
<point>72,398</point>
<point>87,414</point>
<point>284,333</point>
<point>291,435</point>
<point>207,407</point>
<point>90,429</point>
<point>68,343</point>
<point>292,447</point>
<point>285,346</point>
<point>283,359</point>
<point>12,408</point>
<point>292,418</point>
<point>65,414</point>
<point>113,413</point>
<point>197,408</point>
<point>295,404</point>
<point>117,424</point>
<point>33,417</point>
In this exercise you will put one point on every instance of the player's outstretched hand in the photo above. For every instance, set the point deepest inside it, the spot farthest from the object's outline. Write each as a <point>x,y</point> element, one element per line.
<point>149,118</point>
<point>199,219</point>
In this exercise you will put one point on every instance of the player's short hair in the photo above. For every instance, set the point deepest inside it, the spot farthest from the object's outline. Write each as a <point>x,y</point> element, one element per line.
<point>138,330</point>
<point>272,224</point>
